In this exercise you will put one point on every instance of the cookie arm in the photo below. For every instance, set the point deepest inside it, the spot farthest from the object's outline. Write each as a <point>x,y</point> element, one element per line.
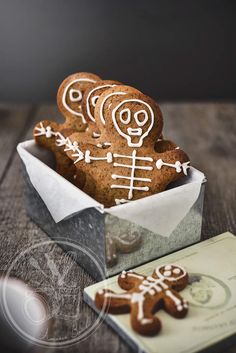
<point>45,134</point>
<point>173,162</point>
<point>128,280</point>
<point>88,153</point>
<point>164,145</point>
<point>112,302</point>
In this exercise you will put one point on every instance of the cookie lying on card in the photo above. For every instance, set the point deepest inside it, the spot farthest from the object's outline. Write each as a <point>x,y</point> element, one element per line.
<point>54,136</point>
<point>130,168</point>
<point>145,295</point>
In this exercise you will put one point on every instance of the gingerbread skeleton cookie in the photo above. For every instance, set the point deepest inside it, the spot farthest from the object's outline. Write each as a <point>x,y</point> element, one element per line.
<point>54,136</point>
<point>145,295</point>
<point>130,168</point>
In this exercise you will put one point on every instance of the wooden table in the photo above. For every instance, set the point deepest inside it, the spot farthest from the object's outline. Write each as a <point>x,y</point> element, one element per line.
<point>206,131</point>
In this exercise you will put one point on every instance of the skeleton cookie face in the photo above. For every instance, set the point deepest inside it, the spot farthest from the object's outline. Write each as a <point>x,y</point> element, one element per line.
<point>136,118</point>
<point>71,92</point>
<point>170,273</point>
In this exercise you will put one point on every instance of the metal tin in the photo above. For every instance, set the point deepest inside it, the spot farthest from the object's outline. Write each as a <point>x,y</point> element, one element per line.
<point>118,243</point>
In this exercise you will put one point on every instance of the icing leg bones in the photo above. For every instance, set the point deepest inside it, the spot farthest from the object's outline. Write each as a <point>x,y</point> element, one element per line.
<point>145,295</point>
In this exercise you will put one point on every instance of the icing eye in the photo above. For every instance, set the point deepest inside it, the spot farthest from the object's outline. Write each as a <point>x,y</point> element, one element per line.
<point>94,100</point>
<point>75,95</point>
<point>125,116</point>
<point>168,267</point>
<point>167,273</point>
<point>176,271</point>
<point>141,117</point>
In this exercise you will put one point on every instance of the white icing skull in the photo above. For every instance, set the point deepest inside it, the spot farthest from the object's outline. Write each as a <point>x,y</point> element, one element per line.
<point>170,272</point>
<point>134,127</point>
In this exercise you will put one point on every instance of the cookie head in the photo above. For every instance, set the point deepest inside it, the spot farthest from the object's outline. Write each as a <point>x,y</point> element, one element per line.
<point>136,118</point>
<point>173,274</point>
<point>105,100</point>
<point>71,91</point>
<point>91,96</point>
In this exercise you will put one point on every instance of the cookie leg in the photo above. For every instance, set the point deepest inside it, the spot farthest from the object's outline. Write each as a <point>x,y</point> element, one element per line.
<point>175,305</point>
<point>142,319</point>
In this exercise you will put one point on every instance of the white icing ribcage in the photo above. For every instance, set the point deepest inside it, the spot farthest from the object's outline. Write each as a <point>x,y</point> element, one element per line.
<point>131,177</point>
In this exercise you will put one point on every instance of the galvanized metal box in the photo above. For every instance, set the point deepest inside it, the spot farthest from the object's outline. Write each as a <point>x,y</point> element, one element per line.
<point>118,243</point>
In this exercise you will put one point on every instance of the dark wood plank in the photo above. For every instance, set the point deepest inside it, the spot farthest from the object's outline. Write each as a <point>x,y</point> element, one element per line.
<point>206,131</point>
<point>13,122</point>
<point>18,232</point>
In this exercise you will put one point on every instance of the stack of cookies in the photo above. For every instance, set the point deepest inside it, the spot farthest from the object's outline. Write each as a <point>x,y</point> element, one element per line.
<point>110,144</point>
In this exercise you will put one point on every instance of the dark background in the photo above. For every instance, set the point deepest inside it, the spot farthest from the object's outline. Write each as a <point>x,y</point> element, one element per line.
<point>171,50</point>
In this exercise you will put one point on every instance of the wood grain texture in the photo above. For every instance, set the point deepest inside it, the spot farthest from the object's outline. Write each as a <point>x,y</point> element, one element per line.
<point>13,122</point>
<point>206,131</point>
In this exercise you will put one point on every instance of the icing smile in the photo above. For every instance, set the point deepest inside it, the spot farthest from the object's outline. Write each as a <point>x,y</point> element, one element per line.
<point>134,132</point>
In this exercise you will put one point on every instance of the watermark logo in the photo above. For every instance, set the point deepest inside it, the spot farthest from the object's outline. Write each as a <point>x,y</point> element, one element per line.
<point>51,307</point>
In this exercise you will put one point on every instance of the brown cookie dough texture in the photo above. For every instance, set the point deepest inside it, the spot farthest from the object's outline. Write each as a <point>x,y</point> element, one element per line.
<point>89,101</point>
<point>93,135</point>
<point>54,136</point>
<point>70,95</point>
<point>130,168</point>
<point>144,295</point>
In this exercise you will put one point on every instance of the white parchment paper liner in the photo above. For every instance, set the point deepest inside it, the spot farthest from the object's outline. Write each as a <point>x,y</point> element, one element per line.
<point>159,213</point>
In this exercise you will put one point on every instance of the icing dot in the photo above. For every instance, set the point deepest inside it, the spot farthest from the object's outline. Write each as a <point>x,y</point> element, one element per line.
<point>168,267</point>
<point>167,273</point>
<point>100,291</point>
<point>151,291</point>
<point>186,306</point>
<point>179,308</point>
<point>176,271</point>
